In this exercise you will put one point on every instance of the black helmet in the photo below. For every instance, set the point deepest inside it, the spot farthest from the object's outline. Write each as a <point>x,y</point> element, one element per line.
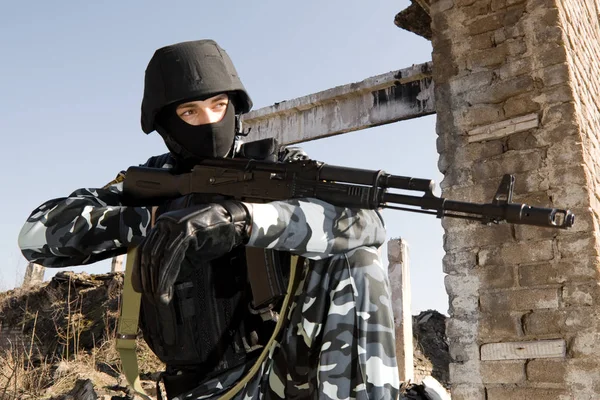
<point>187,70</point>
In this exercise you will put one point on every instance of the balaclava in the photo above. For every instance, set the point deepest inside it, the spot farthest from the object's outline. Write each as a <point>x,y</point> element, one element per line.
<point>200,141</point>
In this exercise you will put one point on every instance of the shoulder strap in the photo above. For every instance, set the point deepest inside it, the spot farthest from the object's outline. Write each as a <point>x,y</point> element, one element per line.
<point>128,328</point>
<point>295,273</point>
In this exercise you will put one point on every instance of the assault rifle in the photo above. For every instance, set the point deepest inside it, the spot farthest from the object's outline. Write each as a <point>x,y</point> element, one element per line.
<point>261,181</point>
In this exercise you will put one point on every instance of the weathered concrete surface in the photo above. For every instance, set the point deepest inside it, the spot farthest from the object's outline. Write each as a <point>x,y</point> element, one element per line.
<point>118,264</point>
<point>415,18</point>
<point>399,275</point>
<point>378,100</point>
<point>34,274</point>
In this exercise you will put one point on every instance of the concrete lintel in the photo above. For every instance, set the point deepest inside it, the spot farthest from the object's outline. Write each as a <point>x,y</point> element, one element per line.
<point>378,100</point>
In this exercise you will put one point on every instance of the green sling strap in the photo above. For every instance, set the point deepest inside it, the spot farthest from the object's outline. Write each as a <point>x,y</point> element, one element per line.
<point>291,289</point>
<point>128,328</point>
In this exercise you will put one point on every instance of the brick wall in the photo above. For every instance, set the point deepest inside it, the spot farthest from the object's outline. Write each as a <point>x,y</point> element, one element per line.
<point>579,21</point>
<point>516,92</point>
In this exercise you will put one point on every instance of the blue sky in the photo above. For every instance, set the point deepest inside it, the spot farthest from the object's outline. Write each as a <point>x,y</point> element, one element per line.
<point>71,81</point>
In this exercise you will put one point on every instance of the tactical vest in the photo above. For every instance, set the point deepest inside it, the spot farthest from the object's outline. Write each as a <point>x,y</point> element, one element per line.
<point>210,325</point>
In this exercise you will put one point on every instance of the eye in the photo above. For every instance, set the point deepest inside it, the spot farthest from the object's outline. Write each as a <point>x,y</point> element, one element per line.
<point>221,104</point>
<point>186,113</point>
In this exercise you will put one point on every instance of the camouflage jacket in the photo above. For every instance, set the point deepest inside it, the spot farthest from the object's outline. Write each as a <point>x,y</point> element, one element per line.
<point>93,224</point>
<point>339,342</point>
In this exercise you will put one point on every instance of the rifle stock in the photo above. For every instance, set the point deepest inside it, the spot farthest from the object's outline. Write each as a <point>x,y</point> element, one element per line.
<point>259,181</point>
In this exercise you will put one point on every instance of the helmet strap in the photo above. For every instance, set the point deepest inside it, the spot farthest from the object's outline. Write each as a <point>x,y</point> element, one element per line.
<point>239,128</point>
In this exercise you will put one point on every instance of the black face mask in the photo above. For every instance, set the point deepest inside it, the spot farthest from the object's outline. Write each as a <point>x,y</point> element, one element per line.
<point>198,141</point>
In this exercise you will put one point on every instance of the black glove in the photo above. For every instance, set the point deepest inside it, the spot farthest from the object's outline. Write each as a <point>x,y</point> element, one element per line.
<point>212,230</point>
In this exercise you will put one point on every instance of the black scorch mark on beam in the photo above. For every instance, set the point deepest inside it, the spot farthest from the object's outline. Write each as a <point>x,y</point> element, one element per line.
<point>406,93</point>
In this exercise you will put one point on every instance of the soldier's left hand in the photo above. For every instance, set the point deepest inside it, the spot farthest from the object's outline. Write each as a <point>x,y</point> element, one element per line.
<point>211,230</point>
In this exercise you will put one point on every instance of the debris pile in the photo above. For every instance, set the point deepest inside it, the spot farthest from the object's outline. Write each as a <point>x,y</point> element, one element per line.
<point>430,347</point>
<point>56,335</point>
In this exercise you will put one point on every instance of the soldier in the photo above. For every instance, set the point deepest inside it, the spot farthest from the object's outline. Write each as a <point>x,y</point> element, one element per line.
<point>197,311</point>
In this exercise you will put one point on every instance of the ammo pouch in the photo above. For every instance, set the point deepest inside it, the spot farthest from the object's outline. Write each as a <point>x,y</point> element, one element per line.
<point>207,322</point>
<point>268,272</point>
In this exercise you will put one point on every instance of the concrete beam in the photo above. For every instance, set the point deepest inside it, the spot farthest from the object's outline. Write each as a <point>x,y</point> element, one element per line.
<point>399,275</point>
<point>378,100</point>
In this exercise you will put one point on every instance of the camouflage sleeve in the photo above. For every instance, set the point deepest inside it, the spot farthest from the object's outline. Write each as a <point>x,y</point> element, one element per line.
<point>87,226</point>
<point>313,228</point>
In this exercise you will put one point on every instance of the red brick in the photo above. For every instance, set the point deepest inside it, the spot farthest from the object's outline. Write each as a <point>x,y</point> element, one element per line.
<point>520,105</point>
<point>502,90</point>
<point>492,57</point>
<point>468,392</point>
<point>515,300</point>
<point>496,326</point>
<point>517,253</point>
<point>500,393</point>
<point>509,163</point>
<point>542,323</point>
<point>477,9</point>
<point>483,114</point>
<point>475,235</point>
<point>562,93</point>
<point>552,371</point>
<point>503,371</point>
<point>482,41</point>
<point>460,261</point>
<point>570,197</point>
<point>560,272</point>
<point>580,295</point>
<point>497,277</point>
<point>514,68</point>
<point>578,245</point>
<point>555,74</point>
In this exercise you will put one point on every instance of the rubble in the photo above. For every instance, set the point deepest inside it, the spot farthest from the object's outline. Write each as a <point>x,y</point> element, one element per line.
<point>431,353</point>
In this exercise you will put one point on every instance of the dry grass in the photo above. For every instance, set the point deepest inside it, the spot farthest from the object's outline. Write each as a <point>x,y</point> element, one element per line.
<point>29,369</point>
<point>22,379</point>
<point>19,380</point>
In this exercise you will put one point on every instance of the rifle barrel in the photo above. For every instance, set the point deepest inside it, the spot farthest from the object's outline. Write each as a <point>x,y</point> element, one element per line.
<point>515,213</point>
